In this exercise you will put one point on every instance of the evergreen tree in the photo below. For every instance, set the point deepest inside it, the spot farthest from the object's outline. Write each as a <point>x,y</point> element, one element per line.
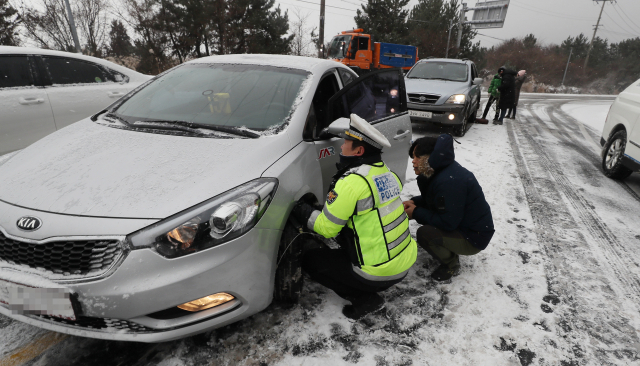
<point>119,41</point>
<point>429,30</point>
<point>384,20</point>
<point>530,41</point>
<point>9,21</point>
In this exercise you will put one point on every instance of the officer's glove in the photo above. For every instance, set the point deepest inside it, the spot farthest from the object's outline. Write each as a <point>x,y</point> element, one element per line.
<point>302,211</point>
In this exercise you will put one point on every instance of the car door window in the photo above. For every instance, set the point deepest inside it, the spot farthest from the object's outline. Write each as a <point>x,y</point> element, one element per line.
<point>375,96</point>
<point>15,72</point>
<point>317,118</point>
<point>347,77</point>
<point>64,71</point>
<point>363,43</point>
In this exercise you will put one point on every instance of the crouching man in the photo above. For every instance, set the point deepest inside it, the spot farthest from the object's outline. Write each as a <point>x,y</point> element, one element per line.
<point>455,216</point>
<point>363,206</point>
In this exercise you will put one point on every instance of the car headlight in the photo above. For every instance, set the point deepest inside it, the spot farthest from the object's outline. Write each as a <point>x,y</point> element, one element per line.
<point>456,99</point>
<point>213,222</point>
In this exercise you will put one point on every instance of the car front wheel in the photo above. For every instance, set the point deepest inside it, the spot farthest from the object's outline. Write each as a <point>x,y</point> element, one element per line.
<point>289,279</point>
<point>612,157</point>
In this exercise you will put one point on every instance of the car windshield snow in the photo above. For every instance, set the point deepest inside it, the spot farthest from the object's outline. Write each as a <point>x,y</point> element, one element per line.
<point>439,71</point>
<point>217,95</point>
<point>338,47</point>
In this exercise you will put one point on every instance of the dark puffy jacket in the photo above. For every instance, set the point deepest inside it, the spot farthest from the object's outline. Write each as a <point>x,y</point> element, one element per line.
<point>452,198</point>
<point>508,89</point>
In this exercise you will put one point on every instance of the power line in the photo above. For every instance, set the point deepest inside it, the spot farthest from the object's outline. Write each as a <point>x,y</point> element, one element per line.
<point>625,22</point>
<point>328,6</point>
<point>546,12</point>
<point>484,35</point>
<point>625,14</point>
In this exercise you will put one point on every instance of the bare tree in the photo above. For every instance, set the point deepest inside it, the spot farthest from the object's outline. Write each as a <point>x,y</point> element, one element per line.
<point>92,19</point>
<point>303,36</point>
<point>49,25</point>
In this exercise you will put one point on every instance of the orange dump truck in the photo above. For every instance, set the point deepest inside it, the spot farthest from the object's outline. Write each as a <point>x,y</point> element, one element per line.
<point>355,49</point>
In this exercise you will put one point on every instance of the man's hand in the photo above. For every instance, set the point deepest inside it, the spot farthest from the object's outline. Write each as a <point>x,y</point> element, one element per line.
<point>408,203</point>
<point>409,206</point>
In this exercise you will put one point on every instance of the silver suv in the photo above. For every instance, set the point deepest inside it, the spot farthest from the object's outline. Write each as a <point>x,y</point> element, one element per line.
<point>444,91</point>
<point>167,214</point>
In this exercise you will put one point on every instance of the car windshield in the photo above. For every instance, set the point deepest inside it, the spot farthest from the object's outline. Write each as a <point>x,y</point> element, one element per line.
<point>338,47</point>
<point>217,95</point>
<point>440,71</point>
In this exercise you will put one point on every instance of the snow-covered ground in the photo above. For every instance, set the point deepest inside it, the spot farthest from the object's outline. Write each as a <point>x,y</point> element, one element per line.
<point>505,308</point>
<point>593,114</point>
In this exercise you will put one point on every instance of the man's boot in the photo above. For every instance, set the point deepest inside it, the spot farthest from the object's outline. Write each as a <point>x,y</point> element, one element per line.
<point>445,272</point>
<point>363,305</point>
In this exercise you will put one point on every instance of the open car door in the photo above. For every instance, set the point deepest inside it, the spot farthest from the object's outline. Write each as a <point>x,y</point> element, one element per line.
<point>380,98</point>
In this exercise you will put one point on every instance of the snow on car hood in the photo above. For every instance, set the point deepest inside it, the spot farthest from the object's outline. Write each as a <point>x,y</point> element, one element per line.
<point>444,88</point>
<point>93,170</point>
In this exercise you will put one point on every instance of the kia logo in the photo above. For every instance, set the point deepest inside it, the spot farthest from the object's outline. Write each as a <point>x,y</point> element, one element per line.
<point>29,223</point>
<point>422,99</point>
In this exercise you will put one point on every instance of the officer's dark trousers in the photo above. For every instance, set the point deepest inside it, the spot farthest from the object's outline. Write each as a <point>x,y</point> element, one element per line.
<point>486,109</point>
<point>332,268</point>
<point>445,246</point>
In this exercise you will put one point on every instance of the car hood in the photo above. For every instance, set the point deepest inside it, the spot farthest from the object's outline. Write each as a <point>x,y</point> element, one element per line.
<point>443,88</point>
<point>93,170</point>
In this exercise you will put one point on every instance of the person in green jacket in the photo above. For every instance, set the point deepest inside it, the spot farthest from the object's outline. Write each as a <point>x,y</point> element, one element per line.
<point>364,210</point>
<point>494,94</point>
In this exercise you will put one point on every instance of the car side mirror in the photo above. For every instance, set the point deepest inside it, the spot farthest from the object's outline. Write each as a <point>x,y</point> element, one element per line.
<point>477,81</point>
<point>336,128</point>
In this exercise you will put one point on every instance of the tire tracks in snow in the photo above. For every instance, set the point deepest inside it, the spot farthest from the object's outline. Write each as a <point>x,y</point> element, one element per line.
<point>591,332</point>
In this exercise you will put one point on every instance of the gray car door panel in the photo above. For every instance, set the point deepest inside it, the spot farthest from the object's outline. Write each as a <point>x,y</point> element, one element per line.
<point>380,98</point>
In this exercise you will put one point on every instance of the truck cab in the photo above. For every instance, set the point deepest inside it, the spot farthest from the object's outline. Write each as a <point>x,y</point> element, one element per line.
<point>356,50</point>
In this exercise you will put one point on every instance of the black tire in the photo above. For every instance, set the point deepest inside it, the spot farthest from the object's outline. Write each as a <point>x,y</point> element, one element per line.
<point>613,152</point>
<point>461,129</point>
<point>289,279</point>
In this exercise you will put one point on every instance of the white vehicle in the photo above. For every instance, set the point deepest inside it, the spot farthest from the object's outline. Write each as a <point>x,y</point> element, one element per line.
<point>42,91</point>
<point>621,135</point>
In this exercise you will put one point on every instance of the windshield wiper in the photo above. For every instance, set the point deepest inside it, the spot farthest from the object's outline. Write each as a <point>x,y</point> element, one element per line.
<point>192,127</point>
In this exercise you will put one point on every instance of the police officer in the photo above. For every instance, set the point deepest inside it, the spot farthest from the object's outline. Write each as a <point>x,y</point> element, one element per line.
<point>364,207</point>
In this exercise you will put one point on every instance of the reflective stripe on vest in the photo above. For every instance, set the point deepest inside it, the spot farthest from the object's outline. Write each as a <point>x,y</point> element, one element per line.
<point>380,223</point>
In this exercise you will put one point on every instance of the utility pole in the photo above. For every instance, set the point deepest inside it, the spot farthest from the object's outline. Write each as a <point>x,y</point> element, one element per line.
<point>586,61</point>
<point>321,35</point>
<point>463,10</point>
<point>567,68</point>
<point>72,25</point>
<point>446,55</point>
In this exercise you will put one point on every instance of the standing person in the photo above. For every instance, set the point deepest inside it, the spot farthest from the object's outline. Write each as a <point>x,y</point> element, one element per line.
<point>522,74</point>
<point>507,91</point>
<point>363,206</point>
<point>494,94</point>
<point>455,216</point>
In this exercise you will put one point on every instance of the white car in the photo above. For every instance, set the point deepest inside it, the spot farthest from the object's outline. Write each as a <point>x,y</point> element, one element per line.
<point>621,135</point>
<point>42,91</point>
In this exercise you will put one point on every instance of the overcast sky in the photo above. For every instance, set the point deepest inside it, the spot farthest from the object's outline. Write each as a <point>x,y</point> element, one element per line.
<point>551,21</point>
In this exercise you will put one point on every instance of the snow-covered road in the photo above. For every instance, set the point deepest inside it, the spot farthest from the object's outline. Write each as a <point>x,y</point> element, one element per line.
<point>558,285</point>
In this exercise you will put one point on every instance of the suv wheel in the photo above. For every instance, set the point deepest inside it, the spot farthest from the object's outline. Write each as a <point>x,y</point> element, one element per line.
<point>460,130</point>
<point>612,157</point>
<point>289,279</point>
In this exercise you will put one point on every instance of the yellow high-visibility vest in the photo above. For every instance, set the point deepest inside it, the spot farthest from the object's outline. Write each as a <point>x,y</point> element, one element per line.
<point>367,200</point>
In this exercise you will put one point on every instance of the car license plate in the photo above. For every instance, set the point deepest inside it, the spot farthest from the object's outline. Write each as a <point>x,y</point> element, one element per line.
<point>22,299</point>
<point>420,114</point>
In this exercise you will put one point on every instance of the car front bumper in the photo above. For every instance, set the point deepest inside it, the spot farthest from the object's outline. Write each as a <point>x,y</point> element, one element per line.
<point>124,302</point>
<point>440,113</point>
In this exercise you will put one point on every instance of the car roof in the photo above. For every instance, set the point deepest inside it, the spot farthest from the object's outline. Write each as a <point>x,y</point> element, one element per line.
<point>12,50</point>
<point>451,60</point>
<point>311,64</point>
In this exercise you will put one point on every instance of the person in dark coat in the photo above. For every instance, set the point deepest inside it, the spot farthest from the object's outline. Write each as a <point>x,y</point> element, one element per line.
<point>452,208</point>
<point>507,93</point>
<point>522,75</point>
